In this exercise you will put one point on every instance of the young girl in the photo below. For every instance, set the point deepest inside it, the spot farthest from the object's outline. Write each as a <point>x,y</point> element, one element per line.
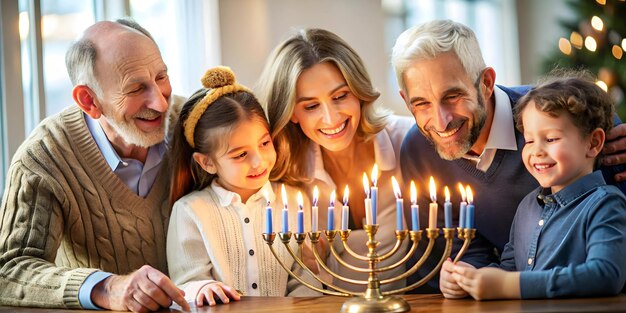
<point>568,236</point>
<point>223,154</point>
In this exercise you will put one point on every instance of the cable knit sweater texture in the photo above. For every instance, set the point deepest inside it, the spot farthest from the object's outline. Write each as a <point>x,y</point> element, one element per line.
<point>206,242</point>
<point>65,214</point>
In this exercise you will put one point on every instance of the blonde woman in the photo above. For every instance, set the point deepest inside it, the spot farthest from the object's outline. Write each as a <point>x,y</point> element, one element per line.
<point>328,131</point>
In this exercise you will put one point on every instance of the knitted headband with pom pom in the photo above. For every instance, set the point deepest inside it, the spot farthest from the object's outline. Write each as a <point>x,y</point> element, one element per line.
<point>222,81</point>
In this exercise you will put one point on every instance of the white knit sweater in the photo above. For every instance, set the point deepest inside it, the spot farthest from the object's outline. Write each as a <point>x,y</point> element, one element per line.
<point>209,239</point>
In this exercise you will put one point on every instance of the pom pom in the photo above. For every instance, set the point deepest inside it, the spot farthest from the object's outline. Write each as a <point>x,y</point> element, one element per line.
<point>218,77</point>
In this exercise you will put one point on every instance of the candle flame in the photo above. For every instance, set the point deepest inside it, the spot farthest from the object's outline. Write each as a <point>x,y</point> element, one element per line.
<point>413,193</point>
<point>346,193</point>
<point>433,190</point>
<point>470,195</point>
<point>267,197</point>
<point>374,174</point>
<point>446,191</point>
<point>396,188</point>
<point>366,186</point>
<point>316,195</point>
<point>462,190</point>
<point>332,198</point>
<point>300,200</point>
<point>283,193</point>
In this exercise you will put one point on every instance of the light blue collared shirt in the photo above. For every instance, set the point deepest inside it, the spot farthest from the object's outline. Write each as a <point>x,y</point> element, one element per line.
<point>139,177</point>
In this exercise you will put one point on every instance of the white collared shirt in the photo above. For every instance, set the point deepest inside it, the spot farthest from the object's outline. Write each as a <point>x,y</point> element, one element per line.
<point>501,135</point>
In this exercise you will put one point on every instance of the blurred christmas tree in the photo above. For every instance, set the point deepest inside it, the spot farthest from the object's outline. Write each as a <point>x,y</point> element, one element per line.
<point>596,40</point>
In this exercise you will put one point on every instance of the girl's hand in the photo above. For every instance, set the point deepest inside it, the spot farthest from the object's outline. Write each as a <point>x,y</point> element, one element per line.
<point>447,284</point>
<point>207,294</point>
<point>488,282</point>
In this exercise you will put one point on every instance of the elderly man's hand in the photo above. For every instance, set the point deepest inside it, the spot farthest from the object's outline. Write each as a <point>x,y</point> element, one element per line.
<point>144,290</point>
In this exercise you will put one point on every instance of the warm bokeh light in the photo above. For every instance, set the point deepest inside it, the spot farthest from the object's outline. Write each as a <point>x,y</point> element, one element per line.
<point>24,25</point>
<point>617,52</point>
<point>602,85</point>
<point>624,44</point>
<point>602,2</point>
<point>565,46</point>
<point>597,23</point>
<point>590,44</point>
<point>577,40</point>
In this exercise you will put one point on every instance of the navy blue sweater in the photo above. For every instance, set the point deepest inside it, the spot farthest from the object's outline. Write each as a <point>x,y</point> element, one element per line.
<point>497,194</point>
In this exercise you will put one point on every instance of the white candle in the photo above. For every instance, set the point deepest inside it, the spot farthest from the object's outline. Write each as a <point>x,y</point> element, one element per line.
<point>345,211</point>
<point>285,211</point>
<point>374,192</point>
<point>462,206</point>
<point>314,209</point>
<point>368,201</point>
<point>432,207</point>
<point>300,214</point>
<point>331,212</point>
<point>399,204</point>
<point>447,208</point>
<point>415,209</point>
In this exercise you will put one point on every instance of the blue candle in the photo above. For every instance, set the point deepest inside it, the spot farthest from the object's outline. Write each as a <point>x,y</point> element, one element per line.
<point>285,221</point>
<point>399,204</point>
<point>447,208</point>
<point>331,212</point>
<point>415,213</point>
<point>285,211</point>
<point>462,214</point>
<point>300,214</point>
<point>268,215</point>
<point>462,206</point>
<point>469,222</point>
<point>374,193</point>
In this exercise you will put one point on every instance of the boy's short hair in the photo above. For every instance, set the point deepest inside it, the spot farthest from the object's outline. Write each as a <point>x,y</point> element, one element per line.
<point>575,93</point>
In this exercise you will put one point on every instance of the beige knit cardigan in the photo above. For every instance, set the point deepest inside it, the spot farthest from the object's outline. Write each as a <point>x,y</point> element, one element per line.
<point>65,214</point>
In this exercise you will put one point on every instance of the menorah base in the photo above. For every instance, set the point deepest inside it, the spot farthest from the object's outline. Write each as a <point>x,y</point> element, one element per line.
<point>385,304</point>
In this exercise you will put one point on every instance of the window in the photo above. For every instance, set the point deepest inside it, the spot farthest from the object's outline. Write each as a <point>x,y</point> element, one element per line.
<point>493,21</point>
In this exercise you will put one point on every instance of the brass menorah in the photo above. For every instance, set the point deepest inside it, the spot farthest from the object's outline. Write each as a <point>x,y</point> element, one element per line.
<point>372,299</point>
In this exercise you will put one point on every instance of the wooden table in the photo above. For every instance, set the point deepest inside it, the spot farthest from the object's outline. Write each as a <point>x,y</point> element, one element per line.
<point>419,303</point>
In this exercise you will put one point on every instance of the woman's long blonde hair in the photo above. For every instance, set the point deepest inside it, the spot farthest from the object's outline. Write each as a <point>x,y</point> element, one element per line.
<point>277,93</point>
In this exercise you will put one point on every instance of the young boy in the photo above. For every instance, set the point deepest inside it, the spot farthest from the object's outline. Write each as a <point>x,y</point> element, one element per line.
<point>568,236</point>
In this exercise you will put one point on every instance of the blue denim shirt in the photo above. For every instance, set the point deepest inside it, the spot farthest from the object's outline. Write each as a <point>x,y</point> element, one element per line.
<point>571,243</point>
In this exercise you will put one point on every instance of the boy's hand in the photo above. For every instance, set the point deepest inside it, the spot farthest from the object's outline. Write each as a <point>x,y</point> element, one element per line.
<point>447,284</point>
<point>488,283</point>
<point>223,292</point>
